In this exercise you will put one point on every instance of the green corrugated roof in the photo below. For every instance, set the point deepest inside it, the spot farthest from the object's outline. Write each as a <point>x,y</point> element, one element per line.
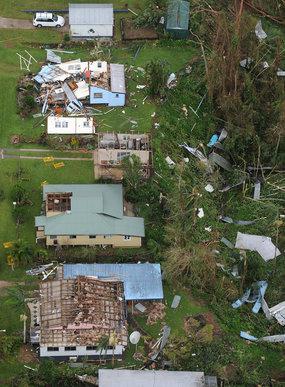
<point>178,15</point>
<point>96,209</point>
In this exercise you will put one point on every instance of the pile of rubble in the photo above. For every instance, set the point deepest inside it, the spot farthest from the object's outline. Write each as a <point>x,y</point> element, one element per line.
<point>156,312</point>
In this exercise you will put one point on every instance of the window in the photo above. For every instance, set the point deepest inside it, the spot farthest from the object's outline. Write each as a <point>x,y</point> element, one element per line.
<point>127,237</point>
<point>72,236</point>
<point>92,236</point>
<point>107,236</point>
<point>91,348</point>
<point>41,228</point>
<point>86,124</point>
<point>65,124</point>
<point>57,124</point>
<point>70,348</point>
<point>52,349</point>
<point>98,95</point>
<point>99,64</point>
<point>117,95</point>
<point>110,347</point>
<point>53,236</point>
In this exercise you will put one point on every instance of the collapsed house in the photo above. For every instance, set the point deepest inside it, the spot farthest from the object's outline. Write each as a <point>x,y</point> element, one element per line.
<point>77,314</point>
<point>91,21</point>
<point>70,87</point>
<point>113,148</point>
<point>87,215</point>
<point>146,378</point>
<point>142,281</point>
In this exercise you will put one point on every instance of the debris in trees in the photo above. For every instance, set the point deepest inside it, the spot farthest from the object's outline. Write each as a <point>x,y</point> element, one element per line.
<point>259,31</point>
<point>245,63</point>
<point>280,73</point>
<point>256,194</point>
<point>176,301</point>
<point>209,188</point>
<point>170,162</point>
<point>156,312</point>
<point>259,243</point>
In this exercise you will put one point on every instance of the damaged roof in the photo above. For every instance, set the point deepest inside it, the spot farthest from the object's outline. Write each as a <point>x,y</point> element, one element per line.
<point>96,209</point>
<point>141,281</point>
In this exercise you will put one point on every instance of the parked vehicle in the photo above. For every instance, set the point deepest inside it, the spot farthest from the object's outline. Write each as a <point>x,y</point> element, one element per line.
<point>48,19</point>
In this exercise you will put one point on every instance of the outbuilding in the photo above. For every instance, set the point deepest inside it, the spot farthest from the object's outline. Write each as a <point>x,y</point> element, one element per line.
<point>177,20</point>
<point>91,20</point>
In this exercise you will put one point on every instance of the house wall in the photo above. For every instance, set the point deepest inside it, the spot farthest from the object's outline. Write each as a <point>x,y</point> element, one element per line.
<point>108,97</point>
<point>80,351</point>
<point>84,240</point>
<point>83,31</point>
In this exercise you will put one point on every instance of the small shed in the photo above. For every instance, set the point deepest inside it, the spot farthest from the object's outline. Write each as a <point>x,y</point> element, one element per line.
<point>177,20</point>
<point>91,20</point>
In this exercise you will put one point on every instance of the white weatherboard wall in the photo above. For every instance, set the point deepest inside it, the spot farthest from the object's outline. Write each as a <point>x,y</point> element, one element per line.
<point>70,125</point>
<point>86,31</point>
<point>80,351</point>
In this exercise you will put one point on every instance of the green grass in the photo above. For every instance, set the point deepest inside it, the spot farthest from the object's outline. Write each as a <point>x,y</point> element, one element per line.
<point>14,8</point>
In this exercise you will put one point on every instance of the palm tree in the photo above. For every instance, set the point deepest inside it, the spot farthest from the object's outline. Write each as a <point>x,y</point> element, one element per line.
<point>103,345</point>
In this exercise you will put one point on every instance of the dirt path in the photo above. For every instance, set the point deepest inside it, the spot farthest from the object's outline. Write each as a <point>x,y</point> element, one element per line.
<point>22,24</point>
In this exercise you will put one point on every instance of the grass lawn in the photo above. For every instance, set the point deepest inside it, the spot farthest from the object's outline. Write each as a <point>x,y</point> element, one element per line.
<point>14,8</point>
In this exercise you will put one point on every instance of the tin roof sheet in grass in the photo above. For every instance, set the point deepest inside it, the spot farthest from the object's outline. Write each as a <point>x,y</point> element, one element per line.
<point>178,15</point>
<point>141,281</point>
<point>91,14</point>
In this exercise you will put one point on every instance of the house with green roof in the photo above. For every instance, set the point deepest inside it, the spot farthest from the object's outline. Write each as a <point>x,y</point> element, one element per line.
<point>177,19</point>
<point>87,215</point>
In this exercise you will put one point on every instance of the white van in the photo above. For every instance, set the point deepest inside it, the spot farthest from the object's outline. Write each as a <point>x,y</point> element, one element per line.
<point>48,19</point>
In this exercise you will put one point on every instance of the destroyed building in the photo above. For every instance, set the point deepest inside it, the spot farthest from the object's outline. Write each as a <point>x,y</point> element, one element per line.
<point>87,215</point>
<point>70,87</point>
<point>114,147</point>
<point>77,314</point>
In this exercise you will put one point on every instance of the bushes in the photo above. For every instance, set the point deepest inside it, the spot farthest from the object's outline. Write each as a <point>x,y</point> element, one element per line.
<point>156,77</point>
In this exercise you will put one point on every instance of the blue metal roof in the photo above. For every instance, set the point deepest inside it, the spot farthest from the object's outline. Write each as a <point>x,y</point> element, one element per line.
<point>142,281</point>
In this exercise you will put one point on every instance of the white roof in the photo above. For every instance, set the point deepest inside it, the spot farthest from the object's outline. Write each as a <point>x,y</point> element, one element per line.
<point>70,125</point>
<point>147,378</point>
<point>87,14</point>
<point>117,73</point>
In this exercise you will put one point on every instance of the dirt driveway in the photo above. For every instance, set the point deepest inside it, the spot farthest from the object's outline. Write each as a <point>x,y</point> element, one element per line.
<point>22,24</point>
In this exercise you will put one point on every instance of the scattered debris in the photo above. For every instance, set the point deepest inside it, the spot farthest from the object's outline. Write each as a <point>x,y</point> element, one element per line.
<point>220,161</point>
<point>259,32</point>
<point>140,87</point>
<point>217,138</point>
<point>140,307</point>
<point>271,339</point>
<point>25,63</point>
<point>227,243</point>
<point>280,73</point>
<point>209,188</point>
<point>157,312</point>
<point>171,81</point>
<point>277,311</point>
<point>39,270</point>
<point>52,57</point>
<point>176,301</point>
<point>255,295</point>
<point>256,194</point>
<point>228,187</point>
<point>259,243</point>
<point>200,213</point>
<point>245,63</point>
<point>170,162</point>
<point>195,152</point>
<point>209,229</point>
<point>227,219</point>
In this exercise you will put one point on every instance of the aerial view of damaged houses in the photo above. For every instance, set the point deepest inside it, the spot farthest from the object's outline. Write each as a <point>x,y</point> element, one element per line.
<point>142,193</point>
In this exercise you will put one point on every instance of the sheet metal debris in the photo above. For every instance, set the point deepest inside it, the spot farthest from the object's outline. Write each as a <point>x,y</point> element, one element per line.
<point>176,301</point>
<point>171,81</point>
<point>245,63</point>
<point>280,73</point>
<point>259,31</point>
<point>257,187</point>
<point>220,161</point>
<point>200,213</point>
<point>170,162</point>
<point>255,295</point>
<point>259,243</point>
<point>227,219</point>
<point>217,138</point>
<point>140,307</point>
<point>209,188</point>
<point>195,152</point>
<point>278,312</point>
<point>226,242</point>
<point>271,339</point>
<point>228,187</point>
<point>52,57</point>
